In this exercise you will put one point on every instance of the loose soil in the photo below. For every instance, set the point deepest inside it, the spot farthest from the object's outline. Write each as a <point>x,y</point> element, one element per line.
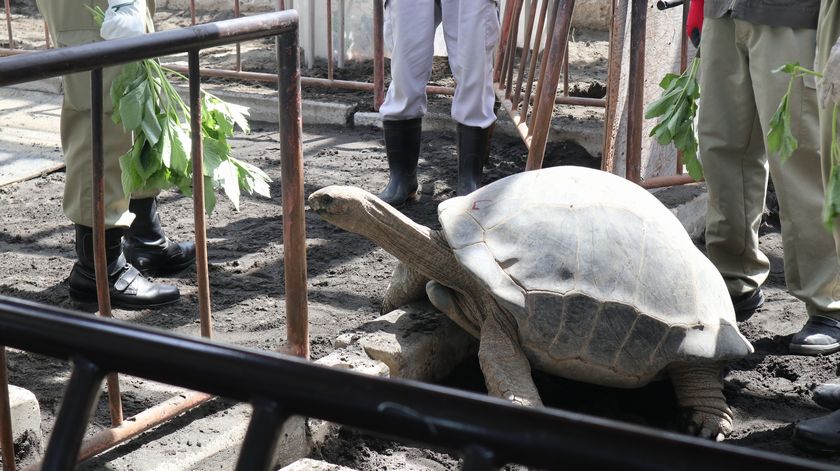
<point>768,391</point>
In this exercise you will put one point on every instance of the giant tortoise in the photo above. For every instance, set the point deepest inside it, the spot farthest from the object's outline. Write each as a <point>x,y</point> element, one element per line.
<point>572,271</point>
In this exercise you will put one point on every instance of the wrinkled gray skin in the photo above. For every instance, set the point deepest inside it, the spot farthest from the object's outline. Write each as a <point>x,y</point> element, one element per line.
<point>430,267</point>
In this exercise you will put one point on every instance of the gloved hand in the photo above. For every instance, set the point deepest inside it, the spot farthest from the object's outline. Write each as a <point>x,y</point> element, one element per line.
<point>694,23</point>
<point>124,19</point>
<point>829,86</point>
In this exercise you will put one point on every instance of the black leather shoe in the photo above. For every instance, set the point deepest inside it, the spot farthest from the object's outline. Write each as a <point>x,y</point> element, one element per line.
<point>747,303</point>
<point>129,289</point>
<point>828,396</point>
<point>820,435</point>
<point>820,336</point>
<point>147,247</point>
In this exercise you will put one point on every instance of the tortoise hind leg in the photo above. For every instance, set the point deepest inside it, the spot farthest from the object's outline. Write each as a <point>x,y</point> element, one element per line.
<point>699,389</point>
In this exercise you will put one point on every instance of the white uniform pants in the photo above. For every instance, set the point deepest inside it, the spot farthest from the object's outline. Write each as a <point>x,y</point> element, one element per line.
<point>471,31</point>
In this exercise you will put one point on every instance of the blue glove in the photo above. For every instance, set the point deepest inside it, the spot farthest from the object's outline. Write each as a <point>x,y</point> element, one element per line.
<point>124,19</point>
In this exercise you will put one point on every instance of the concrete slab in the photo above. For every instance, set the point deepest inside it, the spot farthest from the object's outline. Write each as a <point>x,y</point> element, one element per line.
<point>30,144</point>
<point>583,126</point>
<point>688,203</point>
<point>26,422</point>
<point>314,465</point>
<point>211,442</point>
<point>264,107</point>
<point>416,342</point>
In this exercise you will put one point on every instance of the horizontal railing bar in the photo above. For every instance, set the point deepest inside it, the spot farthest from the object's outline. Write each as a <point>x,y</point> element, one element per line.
<point>50,63</point>
<point>414,411</point>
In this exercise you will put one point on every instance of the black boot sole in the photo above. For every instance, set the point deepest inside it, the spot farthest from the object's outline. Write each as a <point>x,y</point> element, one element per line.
<point>86,298</point>
<point>411,198</point>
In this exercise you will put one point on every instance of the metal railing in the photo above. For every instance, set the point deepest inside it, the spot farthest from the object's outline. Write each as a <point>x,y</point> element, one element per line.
<point>528,92</point>
<point>93,57</point>
<point>486,432</point>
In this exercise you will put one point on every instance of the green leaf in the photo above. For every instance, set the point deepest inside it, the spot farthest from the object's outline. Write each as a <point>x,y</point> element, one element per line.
<point>164,145</point>
<point>209,196</point>
<point>831,207</point>
<point>228,176</point>
<point>181,148</point>
<point>149,161</point>
<point>787,68</point>
<point>131,181</point>
<point>131,108</point>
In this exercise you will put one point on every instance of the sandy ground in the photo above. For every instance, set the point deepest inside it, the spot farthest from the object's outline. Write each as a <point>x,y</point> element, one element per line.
<point>769,391</point>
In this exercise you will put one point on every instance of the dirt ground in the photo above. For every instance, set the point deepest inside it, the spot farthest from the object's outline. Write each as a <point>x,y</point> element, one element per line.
<point>769,391</point>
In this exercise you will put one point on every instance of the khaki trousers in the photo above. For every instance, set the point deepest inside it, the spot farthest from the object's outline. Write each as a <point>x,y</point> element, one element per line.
<point>71,24</point>
<point>739,94</point>
<point>828,30</point>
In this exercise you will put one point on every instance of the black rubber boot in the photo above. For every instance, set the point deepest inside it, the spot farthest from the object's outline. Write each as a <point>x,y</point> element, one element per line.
<point>473,153</point>
<point>819,435</point>
<point>828,396</point>
<point>402,144</point>
<point>129,288</point>
<point>147,247</point>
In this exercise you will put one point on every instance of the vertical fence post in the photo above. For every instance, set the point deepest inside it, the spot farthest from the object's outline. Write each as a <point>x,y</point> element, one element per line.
<point>203,276</point>
<point>378,55</point>
<point>100,262</point>
<point>294,225</point>
<point>636,90</point>
<point>9,25</point>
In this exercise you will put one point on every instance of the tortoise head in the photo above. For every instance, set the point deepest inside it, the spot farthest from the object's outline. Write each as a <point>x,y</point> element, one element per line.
<point>347,207</point>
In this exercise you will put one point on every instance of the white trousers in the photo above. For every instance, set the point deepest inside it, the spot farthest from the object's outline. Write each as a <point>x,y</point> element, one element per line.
<point>471,30</point>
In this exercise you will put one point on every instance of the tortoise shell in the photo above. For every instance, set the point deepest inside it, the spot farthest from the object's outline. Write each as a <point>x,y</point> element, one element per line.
<point>604,283</point>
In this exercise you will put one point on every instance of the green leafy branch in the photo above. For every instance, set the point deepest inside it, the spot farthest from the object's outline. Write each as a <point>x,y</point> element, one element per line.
<point>147,104</point>
<point>678,107</point>
<point>780,139</point>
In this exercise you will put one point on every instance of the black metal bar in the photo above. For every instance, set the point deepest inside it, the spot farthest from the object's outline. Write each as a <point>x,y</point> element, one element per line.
<point>666,4</point>
<point>71,423</point>
<point>428,414</point>
<point>61,61</point>
<point>263,432</point>
<point>477,458</point>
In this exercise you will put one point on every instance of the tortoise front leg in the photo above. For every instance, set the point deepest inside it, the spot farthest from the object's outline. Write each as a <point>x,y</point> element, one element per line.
<point>507,372</point>
<point>407,285</point>
<point>699,389</point>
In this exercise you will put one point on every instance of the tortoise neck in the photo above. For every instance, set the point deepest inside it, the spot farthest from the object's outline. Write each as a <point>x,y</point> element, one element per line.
<point>416,245</point>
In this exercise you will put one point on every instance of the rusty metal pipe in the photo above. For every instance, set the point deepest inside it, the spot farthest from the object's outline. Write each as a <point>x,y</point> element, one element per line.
<point>547,51</point>
<point>291,182</point>
<point>616,42</point>
<point>502,46</point>
<point>192,12</point>
<point>238,48</point>
<point>378,54</point>
<point>512,59</point>
<point>329,41</point>
<point>670,180</point>
<point>133,426</point>
<point>7,443</point>
<point>523,114</point>
<point>203,276</point>
<point>526,53</point>
<point>9,25</point>
<point>636,90</point>
<point>100,262</point>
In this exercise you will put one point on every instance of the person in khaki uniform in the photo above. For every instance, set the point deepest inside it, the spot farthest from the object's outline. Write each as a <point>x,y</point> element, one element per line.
<point>146,249</point>
<point>822,434</point>
<point>742,42</point>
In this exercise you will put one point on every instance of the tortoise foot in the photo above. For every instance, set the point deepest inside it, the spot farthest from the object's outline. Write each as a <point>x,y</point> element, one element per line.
<point>707,424</point>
